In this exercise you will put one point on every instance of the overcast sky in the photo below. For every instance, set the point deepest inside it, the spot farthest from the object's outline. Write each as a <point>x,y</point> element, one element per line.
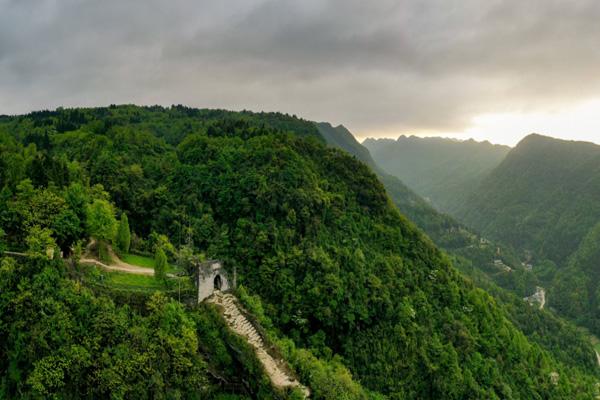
<point>488,69</point>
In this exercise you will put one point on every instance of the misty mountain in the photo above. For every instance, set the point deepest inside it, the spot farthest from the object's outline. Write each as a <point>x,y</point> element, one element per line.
<point>419,211</point>
<point>444,171</point>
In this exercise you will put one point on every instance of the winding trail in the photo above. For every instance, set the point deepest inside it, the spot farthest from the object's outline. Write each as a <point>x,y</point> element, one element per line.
<point>117,264</point>
<point>237,322</point>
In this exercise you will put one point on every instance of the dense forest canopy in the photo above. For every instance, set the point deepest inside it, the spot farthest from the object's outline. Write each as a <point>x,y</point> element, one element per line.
<point>310,229</point>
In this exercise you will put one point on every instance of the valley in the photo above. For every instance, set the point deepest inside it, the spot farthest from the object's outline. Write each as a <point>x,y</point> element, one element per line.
<point>538,202</point>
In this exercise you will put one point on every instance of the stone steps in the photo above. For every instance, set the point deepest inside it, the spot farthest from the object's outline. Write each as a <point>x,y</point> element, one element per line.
<point>238,323</point>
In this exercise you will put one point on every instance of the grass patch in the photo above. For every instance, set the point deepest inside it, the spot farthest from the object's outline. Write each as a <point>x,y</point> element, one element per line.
<point>143,261</point>
<point>121,279</point>
<point>140,261</point>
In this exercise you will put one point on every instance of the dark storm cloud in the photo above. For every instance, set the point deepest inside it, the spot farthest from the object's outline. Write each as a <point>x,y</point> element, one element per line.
<point>372,65</point>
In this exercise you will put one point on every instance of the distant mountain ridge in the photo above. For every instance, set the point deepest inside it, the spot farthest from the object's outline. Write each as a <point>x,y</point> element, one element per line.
<point>419,211</point>
<point>442,170</point>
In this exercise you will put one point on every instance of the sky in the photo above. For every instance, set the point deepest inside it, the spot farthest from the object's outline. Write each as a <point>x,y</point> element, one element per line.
<point>495,69</point>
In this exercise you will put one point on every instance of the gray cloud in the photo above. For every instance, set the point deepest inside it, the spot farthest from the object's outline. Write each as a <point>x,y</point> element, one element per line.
<point>405,65</point>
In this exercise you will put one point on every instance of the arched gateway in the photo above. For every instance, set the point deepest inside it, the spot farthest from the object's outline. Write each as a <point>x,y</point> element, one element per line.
<point>212,277</point>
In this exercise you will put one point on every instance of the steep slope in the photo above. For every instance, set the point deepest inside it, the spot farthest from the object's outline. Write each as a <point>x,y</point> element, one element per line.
<point>437,225</point>
<point>311,231</point>
<point>543,197</point>
<point>61,340</point>
<point>473,255</point>
<point>341,138</point>
<point>575,288</point>
<point>442,170</point>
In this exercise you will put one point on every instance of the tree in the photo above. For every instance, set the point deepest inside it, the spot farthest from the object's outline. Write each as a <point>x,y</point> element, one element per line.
<point>40,242</point>
<point>67,227</point>
<point>2,244</point>
<point>123,235</point>
<point>101,222</point>
<point>160,264</point>
<point>156,240</point>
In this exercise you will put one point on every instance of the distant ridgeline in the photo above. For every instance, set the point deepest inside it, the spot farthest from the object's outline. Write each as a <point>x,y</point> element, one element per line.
<point>346,285</point>
<point>444,171</point>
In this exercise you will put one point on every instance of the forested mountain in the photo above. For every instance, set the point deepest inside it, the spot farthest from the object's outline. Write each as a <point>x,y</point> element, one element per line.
<point>543,200</point>
<point>444,171</point>
<point>344,279</point>
<point>543,197</point>
<point>476,257</point>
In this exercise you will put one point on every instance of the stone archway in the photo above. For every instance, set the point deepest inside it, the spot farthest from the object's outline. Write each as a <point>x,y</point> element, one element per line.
<point>212,277</point>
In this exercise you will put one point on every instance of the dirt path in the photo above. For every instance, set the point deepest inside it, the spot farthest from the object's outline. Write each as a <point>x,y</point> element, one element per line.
<point>238,323</point>
<point>116,265</point>
<point>121,267</point>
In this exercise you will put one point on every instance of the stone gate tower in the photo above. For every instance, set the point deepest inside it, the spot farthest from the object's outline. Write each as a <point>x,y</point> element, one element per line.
<point>211,277</point>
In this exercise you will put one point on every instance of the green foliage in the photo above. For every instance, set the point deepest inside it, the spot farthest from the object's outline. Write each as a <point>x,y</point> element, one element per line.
<point>474,255</point>
<point>123,235</point>
<point>542,198</point>
<point>40,242</point>
<point>68,228</point>
<point>575,288</point>
<point>61,341</point>
<point>160,264</point>
<point>2,240</point>
<point>103,253</point>
<point>310,230</point>
<point>327,379</point>
<point>101,222</point>
<point>542,201</point>
<point>156,241</point>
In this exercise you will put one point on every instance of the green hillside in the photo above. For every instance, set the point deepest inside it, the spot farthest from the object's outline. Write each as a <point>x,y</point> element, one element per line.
<point>474,257</point>
<point>444,171</point>
<point>336,268</point>
<point>543,200</point>
<point>543,197</point>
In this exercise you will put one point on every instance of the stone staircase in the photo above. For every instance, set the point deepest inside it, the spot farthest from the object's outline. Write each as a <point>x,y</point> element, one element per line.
<point>238,323</point>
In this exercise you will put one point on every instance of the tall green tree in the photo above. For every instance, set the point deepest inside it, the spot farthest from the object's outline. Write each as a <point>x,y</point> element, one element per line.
<point>101,225</point>
<point>2,243</point>
<point>101,222</point>
<point>40,242</point>
<point>67,228</point>
<point>124,234</point>
<point>160,264</point>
